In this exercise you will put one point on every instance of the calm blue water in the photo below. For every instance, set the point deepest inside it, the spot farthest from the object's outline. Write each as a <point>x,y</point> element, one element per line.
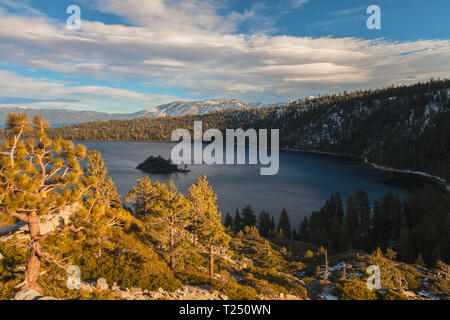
<point>304,182</point>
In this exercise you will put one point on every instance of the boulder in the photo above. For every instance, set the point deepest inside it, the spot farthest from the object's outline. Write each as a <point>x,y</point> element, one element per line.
<point>102,284</point>
<point>27,294</point>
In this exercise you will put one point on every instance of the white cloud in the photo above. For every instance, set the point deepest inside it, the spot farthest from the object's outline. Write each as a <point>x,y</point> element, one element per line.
<point>65,94</point>
<point>299,3</point>
<point>187,45</point>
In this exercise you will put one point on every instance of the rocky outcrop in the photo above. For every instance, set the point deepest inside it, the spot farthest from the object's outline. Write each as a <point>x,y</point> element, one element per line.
<point>30,294</point>
<point>159,165</point>
<point>187,292</point>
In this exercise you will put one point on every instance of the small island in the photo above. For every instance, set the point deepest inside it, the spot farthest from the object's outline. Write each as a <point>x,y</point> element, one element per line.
<point>160,165</point>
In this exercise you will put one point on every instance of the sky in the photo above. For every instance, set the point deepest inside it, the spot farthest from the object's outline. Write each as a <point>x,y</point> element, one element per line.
<point>129,55</point>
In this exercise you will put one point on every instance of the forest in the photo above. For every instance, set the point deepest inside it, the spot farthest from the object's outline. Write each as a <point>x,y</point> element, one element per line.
<point>172,242</point>
<point>416,228</point>
<point>405,127</point>
<point>173,245</point>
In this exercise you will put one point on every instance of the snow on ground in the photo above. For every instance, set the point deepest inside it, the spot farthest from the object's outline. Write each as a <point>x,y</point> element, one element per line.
<point>338,266</point>
<point>428,295</point>
<point>329,297</point>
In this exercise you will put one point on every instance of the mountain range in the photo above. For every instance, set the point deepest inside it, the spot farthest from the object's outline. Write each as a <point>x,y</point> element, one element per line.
<point>177,108</point>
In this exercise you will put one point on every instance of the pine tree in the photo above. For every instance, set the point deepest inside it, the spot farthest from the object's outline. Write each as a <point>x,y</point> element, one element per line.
<point>168,213</point>
<point>419,261</point>
<point>351,226</point>
<point>97,217</point>
<point>39,176</point>
<point>339,207</point>
<point>237,222</point>
<point>209,230</point>
<point>103,188</point>
<point>363,210</point>
<point>273,232</point>
<point>248,217</point>
<point>304,230</point>
<point>284,224</point>
<point>228,221</point>
<point>264,224</point>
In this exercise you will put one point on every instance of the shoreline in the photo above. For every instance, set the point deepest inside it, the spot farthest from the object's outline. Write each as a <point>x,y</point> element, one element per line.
<point>441,181</point>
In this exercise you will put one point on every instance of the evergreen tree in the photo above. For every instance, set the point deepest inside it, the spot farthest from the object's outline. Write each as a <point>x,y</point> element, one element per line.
<point>304,230</point>
<point>284,224</point>
<point>248,217</point>
<point>419,260</point>
<point>168,213</point>
<point>386,220</point>
<point>237,222</point>
<point>264,224</point>
<point>362,207</point>
<point>228,221</point>
<point>38,176</point>
<point>97,220</point>
<point>210,231</point>
<point>103,188</point>
<point>351,226</point>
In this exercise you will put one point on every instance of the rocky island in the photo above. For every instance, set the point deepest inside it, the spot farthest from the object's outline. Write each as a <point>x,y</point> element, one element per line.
<point>160,165</point>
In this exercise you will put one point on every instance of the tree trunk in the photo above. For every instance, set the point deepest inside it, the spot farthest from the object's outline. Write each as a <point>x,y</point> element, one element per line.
<point>172,258</point>
<point>34,261</point>
<point>211,262</point>
<point>99,253</point>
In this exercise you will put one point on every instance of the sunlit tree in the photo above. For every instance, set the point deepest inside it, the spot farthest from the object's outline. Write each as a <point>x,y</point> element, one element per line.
<point>38,177</point>
<point>166,210</point>
<point>208,229</point>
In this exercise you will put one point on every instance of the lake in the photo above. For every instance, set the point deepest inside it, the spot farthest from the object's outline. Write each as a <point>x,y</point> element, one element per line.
<point>303,184</point>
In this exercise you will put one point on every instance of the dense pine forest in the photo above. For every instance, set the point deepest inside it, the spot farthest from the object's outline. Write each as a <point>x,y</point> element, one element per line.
<point>406,127</point>
<point>416,228</point>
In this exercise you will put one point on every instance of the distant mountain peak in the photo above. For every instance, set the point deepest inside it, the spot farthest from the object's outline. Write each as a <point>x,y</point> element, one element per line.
<point>175,108</point>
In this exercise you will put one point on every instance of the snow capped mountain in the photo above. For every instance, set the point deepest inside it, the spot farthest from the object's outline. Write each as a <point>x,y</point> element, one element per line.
<point>177,108</point>
<point>181,108</point>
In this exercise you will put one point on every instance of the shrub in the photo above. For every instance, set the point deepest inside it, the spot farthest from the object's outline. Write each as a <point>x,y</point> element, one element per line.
<point>353,290</point>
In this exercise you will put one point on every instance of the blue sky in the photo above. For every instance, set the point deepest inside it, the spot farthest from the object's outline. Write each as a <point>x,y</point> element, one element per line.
<point>135,54</point>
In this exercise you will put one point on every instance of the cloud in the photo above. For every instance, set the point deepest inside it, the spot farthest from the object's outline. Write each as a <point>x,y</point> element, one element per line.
<point>188,46</point>
<point>48,93</point>
<point>299,3</point>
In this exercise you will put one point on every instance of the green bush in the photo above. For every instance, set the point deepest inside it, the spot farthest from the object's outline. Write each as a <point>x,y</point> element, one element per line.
<point>353,290</point>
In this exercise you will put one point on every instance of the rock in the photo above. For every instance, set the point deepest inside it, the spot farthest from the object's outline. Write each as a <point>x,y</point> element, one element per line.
<point>409,294</point>
<point>46,298</point>
<point>86,287</point>
<point>102,284</point>
<point>27,294</point>
<point>31,294</point>
<point>115,287</point>
<point>159,165</point>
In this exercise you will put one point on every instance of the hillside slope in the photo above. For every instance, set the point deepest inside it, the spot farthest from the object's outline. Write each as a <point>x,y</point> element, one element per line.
<point>407,128</point>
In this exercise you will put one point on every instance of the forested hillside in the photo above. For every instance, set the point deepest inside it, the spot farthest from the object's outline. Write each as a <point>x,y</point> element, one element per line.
<point>404,127</point>
<point>69,216</point>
